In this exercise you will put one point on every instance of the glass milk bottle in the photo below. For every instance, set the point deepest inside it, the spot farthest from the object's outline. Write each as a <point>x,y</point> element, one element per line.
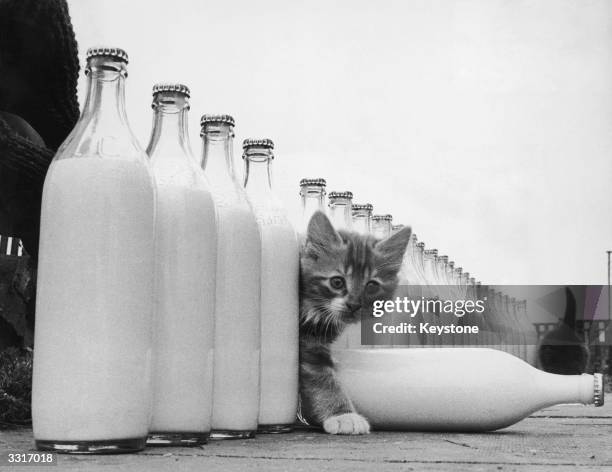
<point>362,218</point>
<point>362,223</point>
<point>279,292</point>
<point>448,389</point>
<point>237,298</point>
<point>340,214</point>
<point>381,226</point>
<point>94,309</point>
<point>186,253</point>
<point>312,193</point>
<point>340,209</point>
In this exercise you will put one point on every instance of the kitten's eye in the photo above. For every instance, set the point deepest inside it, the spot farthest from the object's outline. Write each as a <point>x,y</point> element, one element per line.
<point>372,286</point>
<point>337,283</point>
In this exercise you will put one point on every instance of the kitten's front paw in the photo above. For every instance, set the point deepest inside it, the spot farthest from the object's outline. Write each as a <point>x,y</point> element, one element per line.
<point>348,423</point>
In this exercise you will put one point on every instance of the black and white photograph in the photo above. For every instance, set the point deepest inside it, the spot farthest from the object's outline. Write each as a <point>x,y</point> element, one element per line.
<point>306,236</point>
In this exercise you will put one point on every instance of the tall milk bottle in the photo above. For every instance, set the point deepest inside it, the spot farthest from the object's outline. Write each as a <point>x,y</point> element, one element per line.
<point>91,387</point>
<point>446,389</point>
<point>362,224</point>
<point>237,305</point>
<point>340,214</point>
<point>186,253</point>
<point>279,292</point>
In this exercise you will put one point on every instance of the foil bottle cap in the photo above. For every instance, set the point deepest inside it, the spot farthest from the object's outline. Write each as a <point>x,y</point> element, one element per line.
<point>227,119</point>
<point>177,88</point>
<point>362,206</point>
<point>334,194</point>
<point>258,142</point>
<point>598,390</point>
<point>116,53</point>
<point>314,182</point>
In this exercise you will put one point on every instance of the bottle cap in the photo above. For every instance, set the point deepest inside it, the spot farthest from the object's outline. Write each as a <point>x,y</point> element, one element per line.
<point>313,182</point>
<point>363,206</point>
<point>598,390</point>
<point>345,194</point>
<point>421,245</point>
<point>431,252</point>
<point>451,264</point>
<point>263,142</point>
<point>472,280</point>
<point>459,269</point>
<point>176,88</point>
<point>382,217</point>
<point>227,119</point>
<point>115,53</point>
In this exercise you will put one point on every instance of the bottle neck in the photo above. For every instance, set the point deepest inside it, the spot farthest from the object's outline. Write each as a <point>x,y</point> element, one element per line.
<point>362,222</point>
<point>381,229</point>
<point>105,101</point>
<point>103,130</point>
<point>554,389</point>
<point>217,158</point>
<point>170,136</point>
<point>258,170</point>
<point>417,261</point>
<point>313,200</point>
<point>340,213</point>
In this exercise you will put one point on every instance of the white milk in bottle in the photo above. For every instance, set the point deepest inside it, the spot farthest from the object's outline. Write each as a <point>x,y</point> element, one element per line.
<point>279,293</point>
<point>446,389</point>
<point>186,249</point>
<point>237,304</point>
<point>92,347</point>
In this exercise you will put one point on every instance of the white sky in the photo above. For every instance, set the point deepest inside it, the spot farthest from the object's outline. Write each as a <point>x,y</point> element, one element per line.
<point>484,124</point>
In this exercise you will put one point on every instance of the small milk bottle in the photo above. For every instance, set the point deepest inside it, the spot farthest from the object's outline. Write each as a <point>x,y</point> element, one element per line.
<point>186,256</point>
<point>340,209</point>
<point>312,193</point>
<point>237,303</point>
<point>92,348</point>
<point>279,292</point>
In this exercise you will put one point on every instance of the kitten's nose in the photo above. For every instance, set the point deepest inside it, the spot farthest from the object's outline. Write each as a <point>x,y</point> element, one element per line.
<point>353,306</point>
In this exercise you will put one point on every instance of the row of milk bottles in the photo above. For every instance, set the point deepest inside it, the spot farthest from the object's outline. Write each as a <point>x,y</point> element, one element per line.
<point>504,324</point>
<point>440,389</point>
<point>167,302</point>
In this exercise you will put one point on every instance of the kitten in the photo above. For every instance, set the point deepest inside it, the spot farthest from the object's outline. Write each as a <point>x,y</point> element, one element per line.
<point>563,350</point>
<point>341,274</point>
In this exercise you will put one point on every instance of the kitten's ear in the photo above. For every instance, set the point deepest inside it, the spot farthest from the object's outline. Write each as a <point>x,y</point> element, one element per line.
<point>321,235</point>
<point>394,247</point>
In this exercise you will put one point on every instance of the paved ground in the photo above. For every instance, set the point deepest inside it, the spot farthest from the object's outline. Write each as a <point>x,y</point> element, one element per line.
<point>563,438</point>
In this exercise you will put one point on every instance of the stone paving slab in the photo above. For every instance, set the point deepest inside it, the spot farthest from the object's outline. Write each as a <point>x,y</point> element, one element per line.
<point>563,438</point>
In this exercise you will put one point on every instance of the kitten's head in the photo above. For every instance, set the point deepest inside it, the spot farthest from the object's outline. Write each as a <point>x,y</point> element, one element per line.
<point>342,273</point>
